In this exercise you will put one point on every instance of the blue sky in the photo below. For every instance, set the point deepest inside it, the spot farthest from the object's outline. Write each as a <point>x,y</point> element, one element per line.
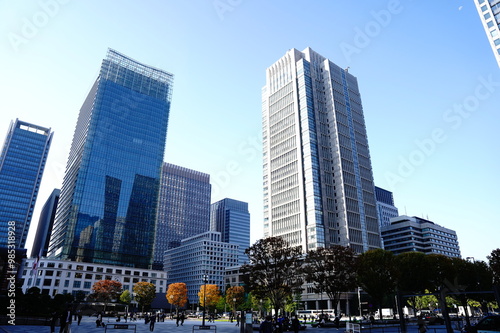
<point>429,84</point>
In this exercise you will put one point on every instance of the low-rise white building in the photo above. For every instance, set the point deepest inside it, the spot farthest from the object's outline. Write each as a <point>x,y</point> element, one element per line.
<point>55,276</point>
<point>406,234</point>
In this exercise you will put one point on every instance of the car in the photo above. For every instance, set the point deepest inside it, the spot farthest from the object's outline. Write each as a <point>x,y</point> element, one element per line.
<point>488,324</point>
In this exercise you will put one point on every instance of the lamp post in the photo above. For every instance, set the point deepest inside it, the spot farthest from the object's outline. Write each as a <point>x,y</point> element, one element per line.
<point>234,308</point>
<point>205,281</point>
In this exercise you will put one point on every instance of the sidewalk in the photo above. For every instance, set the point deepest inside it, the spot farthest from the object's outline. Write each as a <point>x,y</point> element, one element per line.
<point>88,325</point>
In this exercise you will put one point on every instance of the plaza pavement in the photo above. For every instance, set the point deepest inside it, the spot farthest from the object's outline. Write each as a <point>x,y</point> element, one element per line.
<point>88,326</point>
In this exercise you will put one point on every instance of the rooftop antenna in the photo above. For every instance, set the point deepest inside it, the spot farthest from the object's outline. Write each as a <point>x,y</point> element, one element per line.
<point>347,69</point>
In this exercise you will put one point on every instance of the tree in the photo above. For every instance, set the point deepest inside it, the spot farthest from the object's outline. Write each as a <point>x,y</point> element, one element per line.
<point>235,296</point>
<point>106,291</point>
<point>126,297</point>
<point>377,274</point>
<point>209,295</point>
<point>273,271</point>
<point>331,270</point>
<point>177,295</point>
<point>145,293</point>
<point>412,274</point>
<point>494,262</point>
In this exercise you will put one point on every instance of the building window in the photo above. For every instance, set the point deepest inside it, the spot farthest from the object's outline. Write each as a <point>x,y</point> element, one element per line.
<point>77,284</point>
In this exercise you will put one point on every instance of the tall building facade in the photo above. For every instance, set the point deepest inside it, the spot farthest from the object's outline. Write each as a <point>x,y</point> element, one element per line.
<point>22,162</point>
<point>385,206</point>
<point>231,218</point>
<point>317,178</point>
<point>408,234</point>
<point>183,210</point>
<point>197,256</point>
<point>489,13</point>
<point>45,223</point>
<point>107,208</point>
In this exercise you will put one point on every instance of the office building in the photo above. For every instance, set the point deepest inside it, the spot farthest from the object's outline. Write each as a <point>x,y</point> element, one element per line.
<point>203,254</point>
<point>107,207</point>
<point>69,277</point>
<point>40,245</point>
<point>231,218</point>
<point>318,182</point>
<point>385,206</point>
<point>22,162</point>
<point>489,13</point>
<point>183,210</point>
<point>406,234</point>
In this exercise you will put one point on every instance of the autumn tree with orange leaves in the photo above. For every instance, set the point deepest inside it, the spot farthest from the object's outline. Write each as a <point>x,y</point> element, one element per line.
<point>209,294</point>
<point>106,291</point>
<point>235,296</point>
<point>177,295</point>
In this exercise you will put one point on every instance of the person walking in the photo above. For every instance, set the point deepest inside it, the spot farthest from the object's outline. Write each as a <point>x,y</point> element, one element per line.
<point>295,324</point>
<point>267,325</point>
<point>152,321</point>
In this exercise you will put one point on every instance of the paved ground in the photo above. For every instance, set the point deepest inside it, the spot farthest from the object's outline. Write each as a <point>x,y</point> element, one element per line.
<point>88,325</point>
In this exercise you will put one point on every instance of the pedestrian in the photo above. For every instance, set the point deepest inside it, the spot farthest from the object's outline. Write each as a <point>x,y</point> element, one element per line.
<point>152,321</point>
<point>421,325</point>
<point>267,325</point>
<point>295,324</point>
<point>182,318</point>
<point>53,321</point>
<point>79,315</point>
<point>65,318</point>
<point>98,321</point>
<point>238,319</point>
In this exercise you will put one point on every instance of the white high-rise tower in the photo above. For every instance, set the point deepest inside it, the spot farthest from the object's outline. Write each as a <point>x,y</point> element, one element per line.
<point>318,182</point>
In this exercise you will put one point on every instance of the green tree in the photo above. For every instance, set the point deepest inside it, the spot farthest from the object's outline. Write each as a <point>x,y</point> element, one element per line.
<point>412,273</point>
<point>494,262</point>
<point>377,274</point>
<point>273,270</point>
<point>126,297</point>
<point>145,293</point>
<point>331,270</point>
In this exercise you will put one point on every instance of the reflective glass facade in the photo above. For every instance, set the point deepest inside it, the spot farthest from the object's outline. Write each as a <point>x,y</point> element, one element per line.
<point>183,210</point>
<point>489,13</point>
<point>385,206</point>
<point>45,224</point>
<point>22,162</point>
<point>318,182</point>
<point>231,218</point>
<point>107,208</point>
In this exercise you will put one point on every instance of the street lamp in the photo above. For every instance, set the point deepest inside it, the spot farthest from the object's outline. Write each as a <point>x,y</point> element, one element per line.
<point>234,308</point>
<point>205,281</point>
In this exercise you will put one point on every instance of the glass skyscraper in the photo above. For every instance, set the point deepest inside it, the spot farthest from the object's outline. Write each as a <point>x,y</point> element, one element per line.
<point>318,182</point>
<point>22,162</point>
<point>385,206</point>
<point>231,218</point>
<point>489,13</point>
<point>183,210</point>
<point>107,207</point>
<point>45,223</point>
